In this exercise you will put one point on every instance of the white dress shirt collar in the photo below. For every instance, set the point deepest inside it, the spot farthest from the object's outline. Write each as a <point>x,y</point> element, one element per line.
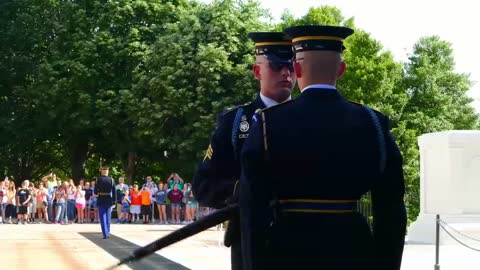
<point>270,102</point>
<point>324,86</point>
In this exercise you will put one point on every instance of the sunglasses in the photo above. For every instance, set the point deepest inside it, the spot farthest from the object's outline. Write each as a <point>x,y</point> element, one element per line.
<point>274,66</point>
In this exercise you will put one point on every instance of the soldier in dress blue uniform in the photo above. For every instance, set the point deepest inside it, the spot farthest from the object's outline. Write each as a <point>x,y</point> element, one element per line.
<point>341,150</point>
<point>105,190</point>
<point>215,181</point>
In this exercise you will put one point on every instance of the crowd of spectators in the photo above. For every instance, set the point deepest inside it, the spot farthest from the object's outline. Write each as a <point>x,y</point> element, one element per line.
<point>65,202</point>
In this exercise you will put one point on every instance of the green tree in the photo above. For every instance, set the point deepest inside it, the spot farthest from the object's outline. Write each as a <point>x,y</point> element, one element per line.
<point>197,68</point>
<point>26,32</point>
<point>437,101</point>
<point>86,79</point>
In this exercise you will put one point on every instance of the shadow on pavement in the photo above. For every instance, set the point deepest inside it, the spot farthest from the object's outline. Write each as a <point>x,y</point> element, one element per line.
<point>121,248</point>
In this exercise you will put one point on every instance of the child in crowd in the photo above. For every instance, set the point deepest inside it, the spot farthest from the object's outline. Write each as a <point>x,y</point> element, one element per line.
<point>146,204</point>
<point>126,201</point>
<point>23,198</point>
<point>136,203</point>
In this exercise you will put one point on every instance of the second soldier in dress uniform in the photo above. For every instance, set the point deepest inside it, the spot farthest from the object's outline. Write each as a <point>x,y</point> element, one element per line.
<point>105,190</point>
<point>215,180</point>
<point>343,150</point>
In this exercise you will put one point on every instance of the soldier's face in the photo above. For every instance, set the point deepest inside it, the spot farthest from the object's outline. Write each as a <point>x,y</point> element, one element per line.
<point>275,78</point>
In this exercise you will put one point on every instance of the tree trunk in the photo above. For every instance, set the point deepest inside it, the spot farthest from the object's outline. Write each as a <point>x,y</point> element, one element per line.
<point>78,157</point>
<point>131,167</point>
<point>23,169</point>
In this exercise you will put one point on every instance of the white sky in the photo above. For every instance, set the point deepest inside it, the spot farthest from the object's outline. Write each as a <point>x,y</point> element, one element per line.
<point>399,24</point>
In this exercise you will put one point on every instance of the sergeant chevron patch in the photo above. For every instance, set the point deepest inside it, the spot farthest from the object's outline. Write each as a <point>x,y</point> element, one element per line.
<point>209,153</point>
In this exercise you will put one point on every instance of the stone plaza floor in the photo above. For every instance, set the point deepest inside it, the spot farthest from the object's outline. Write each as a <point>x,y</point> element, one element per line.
<point>80,246</point>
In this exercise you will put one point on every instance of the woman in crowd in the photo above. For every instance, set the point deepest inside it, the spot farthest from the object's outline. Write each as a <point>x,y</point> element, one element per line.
<point>161,200</point>
<point>32,204</point>
<point>191,205</point>
<point>61,204</point>
<point>50,194</point>
<point>3,201</point>
<point>175,195</point>
<point>42,204</point>
<point>71,190</point>
<point>10,211</point>
<point>175,179</point>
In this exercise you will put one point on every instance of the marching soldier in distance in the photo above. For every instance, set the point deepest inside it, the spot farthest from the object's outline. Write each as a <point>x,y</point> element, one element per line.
<point>105,190</point>
<point>343,149</point>
<point>215,181</point>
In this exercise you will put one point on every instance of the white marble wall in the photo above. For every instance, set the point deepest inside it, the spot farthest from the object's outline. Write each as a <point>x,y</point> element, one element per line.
<point>449,182</point>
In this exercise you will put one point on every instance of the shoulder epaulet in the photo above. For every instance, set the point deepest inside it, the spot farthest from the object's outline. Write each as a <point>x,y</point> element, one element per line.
<point>276,106</point>
<point>356,103</point>
<point>234,108</point>
<point>363,105</point>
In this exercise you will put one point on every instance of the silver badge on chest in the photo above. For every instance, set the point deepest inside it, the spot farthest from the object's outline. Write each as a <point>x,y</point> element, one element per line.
<point>244,126</point>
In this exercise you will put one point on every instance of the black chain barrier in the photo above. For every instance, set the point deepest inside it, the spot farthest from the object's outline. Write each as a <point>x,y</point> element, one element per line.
<point>462,234</point>
<point>442,224</point>
<point>439,223</point>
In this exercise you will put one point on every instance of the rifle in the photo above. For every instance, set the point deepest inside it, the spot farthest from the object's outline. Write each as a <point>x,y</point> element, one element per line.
<point>196,227</point>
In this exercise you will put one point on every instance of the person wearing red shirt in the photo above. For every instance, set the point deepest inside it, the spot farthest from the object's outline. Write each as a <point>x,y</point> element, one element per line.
<point>175,195</point>
<point>136,203</point>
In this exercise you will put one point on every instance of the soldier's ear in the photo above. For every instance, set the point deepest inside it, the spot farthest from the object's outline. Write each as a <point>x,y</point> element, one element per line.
<point>298,69</point>
<point>341,69</point>
<point>256,72</point>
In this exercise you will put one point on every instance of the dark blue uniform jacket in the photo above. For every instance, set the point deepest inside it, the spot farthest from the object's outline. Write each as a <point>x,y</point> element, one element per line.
<point>321,147</point>
<point>214,181</point>
<point>105,189</point>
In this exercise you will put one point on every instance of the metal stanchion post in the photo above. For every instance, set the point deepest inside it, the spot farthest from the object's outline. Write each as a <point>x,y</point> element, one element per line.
<point>437,243</point>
